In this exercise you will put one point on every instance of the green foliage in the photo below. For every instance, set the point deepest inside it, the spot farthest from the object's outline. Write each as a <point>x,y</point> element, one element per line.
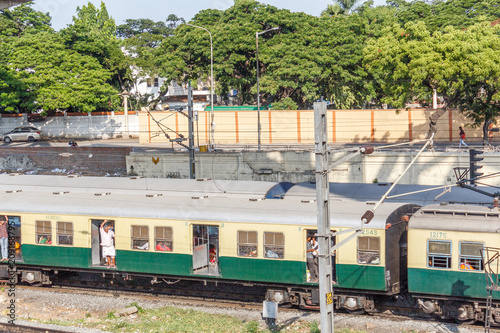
<point>252,327</point>
<point>140,310</point>
<point>437,15</point>
<point>306,58</point>
<point>140,38</point>
<point>57,78</point>
<point>93,33</point>
<point>21,20</point>
<point>285,104</point>
<point>463,66</point>
<point>314,328</point>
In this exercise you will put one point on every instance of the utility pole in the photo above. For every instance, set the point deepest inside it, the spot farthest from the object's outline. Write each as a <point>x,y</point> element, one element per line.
<point>324,233</point>
<point>192,174</point>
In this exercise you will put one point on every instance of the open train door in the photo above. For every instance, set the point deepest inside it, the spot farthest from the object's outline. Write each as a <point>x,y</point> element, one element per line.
<point>95,243</point>
<point>310,233</point>
<point>206,250</point>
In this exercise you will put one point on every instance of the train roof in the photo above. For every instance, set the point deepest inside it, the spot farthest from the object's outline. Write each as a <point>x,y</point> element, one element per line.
<point>138,185</point>
<point>425,194</point>
<point>110,203</point>
<point>421,194</point>
<point>466,218</point>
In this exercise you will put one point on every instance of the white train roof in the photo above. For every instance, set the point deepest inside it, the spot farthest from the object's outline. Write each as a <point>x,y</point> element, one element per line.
<point>117,203</point>
<point>466,218</point>
<point>139,185</point>
<point>368,192</point>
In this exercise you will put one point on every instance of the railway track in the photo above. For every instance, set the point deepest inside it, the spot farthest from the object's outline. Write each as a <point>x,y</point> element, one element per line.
<point>10,328</point>
<point>394,314</point>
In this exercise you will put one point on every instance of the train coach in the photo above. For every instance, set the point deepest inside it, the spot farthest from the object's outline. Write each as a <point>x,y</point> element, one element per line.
<point>206,238</point>
<point>446,268</point>
<point>194,230</point>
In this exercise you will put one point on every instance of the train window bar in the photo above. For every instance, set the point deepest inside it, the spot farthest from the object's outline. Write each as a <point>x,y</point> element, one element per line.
<point>43,232</point>
<point>247,243</point>
<point>439,254</point>
<point>470,256</point>
<point>369,250</point>
<point>140,237</point>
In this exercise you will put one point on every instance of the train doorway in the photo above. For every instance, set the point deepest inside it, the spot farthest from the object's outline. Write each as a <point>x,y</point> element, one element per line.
<point>312,267</point>
<point>97,259</point>
<point>206,250</point>
<point>15,221</point>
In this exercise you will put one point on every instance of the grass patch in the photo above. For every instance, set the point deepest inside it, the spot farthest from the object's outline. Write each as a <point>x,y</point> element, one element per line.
<point>172,319</point>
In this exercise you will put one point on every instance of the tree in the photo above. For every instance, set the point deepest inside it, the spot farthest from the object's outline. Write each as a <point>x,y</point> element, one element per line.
<point>463,66</point>
<point>439,14</point>
<point>23,19</point>
<point>55,78</point>
<point>140,38</point>
<point>306,58</point>
<point>93,33</point>
<point>340,7</point>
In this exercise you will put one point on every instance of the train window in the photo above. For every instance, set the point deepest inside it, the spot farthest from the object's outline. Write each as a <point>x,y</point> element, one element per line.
<point>369,250</point>
<point>247,243</point>
<point>43,233</point>
<point>274,245</point>
<point>439,254</point>
<point>163,239</point>
<point>140,237</point>
<point>65,233</point>
<point>470,256</point>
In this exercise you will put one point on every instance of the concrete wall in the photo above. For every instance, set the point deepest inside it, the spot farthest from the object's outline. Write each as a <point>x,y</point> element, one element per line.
<point>104,126</point>
<point>431,167</point>
<point>86,160</point>
<point>345,126</point>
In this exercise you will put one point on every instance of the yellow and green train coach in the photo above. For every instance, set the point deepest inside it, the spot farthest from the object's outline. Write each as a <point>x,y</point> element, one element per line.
<point>446,261</point>
<point>238,238</point>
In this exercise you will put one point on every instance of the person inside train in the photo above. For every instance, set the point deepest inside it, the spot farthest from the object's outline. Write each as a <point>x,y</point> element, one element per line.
<point>311,256</point>
<point>162,247</point>
<point>213,254</point>
<point>466,265</point>
<point>44,240</point>
<point>144,246</point>
<point>107,243</point>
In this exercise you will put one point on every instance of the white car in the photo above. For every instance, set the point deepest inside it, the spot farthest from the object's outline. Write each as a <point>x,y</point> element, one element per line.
<point>25,133</point>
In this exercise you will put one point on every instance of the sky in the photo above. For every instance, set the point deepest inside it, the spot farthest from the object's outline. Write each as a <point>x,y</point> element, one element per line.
<point>62,11</point>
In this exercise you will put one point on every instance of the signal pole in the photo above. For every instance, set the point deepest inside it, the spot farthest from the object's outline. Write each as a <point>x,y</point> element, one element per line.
<point>473,158</point>
<point>324,233</point>
<point>192,174</point>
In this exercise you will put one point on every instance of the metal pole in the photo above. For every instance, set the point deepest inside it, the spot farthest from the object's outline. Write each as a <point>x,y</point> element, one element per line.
<point>258,92</point>
<point>192,174</point>
<point>324,233</point>
<point>212,125</point>
<point>258,87</point>
<point>211,138</point>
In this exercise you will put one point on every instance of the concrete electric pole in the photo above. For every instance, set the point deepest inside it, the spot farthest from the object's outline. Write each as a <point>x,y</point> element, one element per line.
<point>324,233</point>
<point>192,173</point>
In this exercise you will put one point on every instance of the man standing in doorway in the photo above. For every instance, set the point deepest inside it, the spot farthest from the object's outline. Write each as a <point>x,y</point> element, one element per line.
<point>312,262</point>
<point>107,243</point>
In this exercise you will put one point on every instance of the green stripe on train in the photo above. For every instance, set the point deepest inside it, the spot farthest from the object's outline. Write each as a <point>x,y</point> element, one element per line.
<point>60,256</point>
<point>361,277</point>
<point>232,268</point>
<point>448,283</point>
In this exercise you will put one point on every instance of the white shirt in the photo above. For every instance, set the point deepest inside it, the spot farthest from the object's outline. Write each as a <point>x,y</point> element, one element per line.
<point>107,237</point>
